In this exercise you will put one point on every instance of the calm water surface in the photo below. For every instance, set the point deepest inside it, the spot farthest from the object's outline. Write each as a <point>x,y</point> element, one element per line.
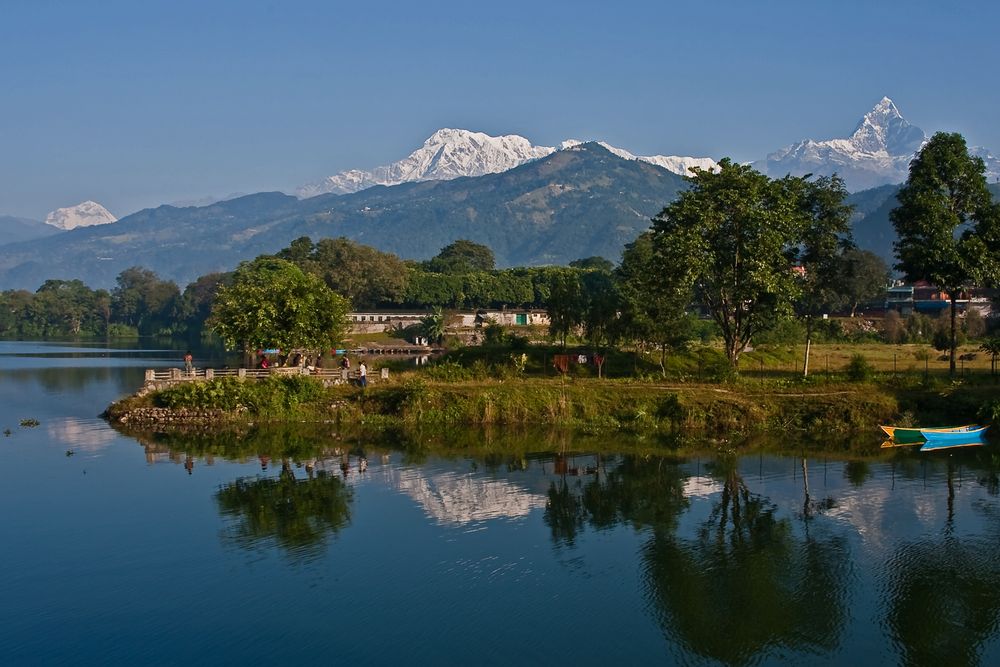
<point>305,546</point>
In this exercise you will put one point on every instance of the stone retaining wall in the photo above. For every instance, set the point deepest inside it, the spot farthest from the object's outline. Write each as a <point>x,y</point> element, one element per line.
<point>148,416</point>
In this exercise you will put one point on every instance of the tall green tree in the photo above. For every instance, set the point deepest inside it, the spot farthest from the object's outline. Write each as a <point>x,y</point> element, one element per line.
<point>947,223</point>
<point>462,256</point>
<point>360,273</point>
<point>565,303</point>
<point>825,236</point>
<point>865,277</point>
<point>433,325</point>
<point>600,309</point>
<point>273,303</point>
<point>731,239</point>
<point>142,300</point>
<point>198,298</point>
<point>652,311</point>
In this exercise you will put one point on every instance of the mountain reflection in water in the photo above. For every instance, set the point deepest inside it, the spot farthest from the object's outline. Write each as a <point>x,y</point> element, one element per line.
<point>736,564</point>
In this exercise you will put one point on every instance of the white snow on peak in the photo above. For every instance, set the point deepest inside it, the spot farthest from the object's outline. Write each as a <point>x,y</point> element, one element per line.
<point>446,154</point>
<point>991,161</point>
<point>450,153</point>
<point>877,152</point>
<point>677,164</point>
<point>84,214</point>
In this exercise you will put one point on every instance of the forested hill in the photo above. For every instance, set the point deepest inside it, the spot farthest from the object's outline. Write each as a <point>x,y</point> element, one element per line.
<point>572,204</point>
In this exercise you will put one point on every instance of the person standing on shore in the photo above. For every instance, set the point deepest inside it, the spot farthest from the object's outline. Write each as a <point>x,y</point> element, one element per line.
<point>188,362</point>
<point>363,375</point>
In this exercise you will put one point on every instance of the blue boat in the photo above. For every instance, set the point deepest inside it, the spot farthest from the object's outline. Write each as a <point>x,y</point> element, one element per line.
<point>944,439</point>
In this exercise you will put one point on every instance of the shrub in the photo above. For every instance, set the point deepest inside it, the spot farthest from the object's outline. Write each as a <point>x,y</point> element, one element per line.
<point>449,371</point>
<point>990,412</point>
<point>858,369</point>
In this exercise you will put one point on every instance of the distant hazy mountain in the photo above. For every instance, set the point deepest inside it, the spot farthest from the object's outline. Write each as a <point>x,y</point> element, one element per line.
<point>573,203</point>
<point>206,201</point>
<point>84,214</point>
<point>15,230</point>
<point>872,227</point>
<point>451,153</point>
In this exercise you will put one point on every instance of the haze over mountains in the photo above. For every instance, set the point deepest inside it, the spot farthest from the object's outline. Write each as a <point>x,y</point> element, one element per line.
<point>530,204</point>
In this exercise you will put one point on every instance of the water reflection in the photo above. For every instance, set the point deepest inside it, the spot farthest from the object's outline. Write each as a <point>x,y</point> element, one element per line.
<point>736,567</point>
<point>295,514</point>
<point>80,434</point>
<point>943,595</point>
<point>747,581</point>
<point>633,490</point>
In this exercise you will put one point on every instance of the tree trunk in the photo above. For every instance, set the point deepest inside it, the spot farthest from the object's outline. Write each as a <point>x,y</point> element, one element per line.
<point>663,361</point>
<point>951,360</point>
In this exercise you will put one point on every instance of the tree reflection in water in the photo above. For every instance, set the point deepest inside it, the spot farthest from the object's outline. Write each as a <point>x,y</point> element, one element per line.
<point>944,594</point>
<point>745,582</point>
<point>643,492</point>
<point>295,514</point>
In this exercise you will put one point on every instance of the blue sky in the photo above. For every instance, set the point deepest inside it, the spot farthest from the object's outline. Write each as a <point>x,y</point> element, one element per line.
<point>134,104</point>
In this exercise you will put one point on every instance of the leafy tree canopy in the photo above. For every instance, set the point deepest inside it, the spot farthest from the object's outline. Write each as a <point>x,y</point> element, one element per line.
<point>273,303</point>
<point>947,222</point>
<point>462,256</point>
<point>732,238</point>
<point>594,263</point>
<point>362,274</point>
<point>141,299</point>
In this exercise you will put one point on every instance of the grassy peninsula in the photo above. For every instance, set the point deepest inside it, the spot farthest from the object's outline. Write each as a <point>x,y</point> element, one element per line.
<point>735,408</point>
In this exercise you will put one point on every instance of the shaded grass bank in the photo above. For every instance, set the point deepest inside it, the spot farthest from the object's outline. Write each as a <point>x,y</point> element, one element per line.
<point>731,410</point>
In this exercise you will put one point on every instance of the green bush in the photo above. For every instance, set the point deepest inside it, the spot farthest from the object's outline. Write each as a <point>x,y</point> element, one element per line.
<point>275,395</point>
<point>448,371</point>
<point>990,412</point>
<point>859,370</point>
<point>786,331</point>
<point>122,331</point>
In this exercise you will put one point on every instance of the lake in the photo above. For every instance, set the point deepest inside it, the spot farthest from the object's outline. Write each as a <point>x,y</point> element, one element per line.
<point>310,545</point>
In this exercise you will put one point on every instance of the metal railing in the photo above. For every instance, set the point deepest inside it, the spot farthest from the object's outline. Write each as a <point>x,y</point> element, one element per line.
<point>173,375</point>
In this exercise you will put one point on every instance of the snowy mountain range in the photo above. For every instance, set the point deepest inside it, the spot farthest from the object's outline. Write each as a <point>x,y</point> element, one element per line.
<point>452,153</point>
<point>877,153</point>
<point>84,214</point>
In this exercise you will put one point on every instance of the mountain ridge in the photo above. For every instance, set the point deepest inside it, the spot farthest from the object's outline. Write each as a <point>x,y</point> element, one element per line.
<point>574,203</point>
<point>453,153</point>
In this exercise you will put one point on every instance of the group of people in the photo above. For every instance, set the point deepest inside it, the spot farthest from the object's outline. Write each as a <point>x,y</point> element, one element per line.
<point>345,364</point>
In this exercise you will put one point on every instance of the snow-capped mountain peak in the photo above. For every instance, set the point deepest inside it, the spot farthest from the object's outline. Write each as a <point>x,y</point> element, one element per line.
<point>675,163</point>
<point>877,152</point>
<point>446,154</point>
<point>451,153</point>
<point>884,129</point>
<point>84,214</point>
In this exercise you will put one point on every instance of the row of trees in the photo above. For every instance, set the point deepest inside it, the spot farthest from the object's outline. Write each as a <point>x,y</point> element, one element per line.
<point>139,303</point>
<point>743,248</point>
<point>749,249</point>
<point>143,303</point>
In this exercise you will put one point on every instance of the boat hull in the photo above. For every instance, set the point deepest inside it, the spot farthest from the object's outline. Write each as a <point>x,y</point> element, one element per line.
<point>906,435</point>
<point>938,439</point>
